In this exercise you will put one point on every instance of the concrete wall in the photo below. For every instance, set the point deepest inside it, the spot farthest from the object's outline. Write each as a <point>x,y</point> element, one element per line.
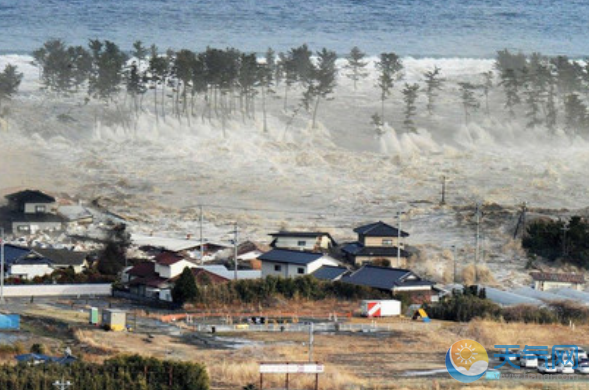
<point>28,271</point>
<point>544,286</point>
<point>56,290</point>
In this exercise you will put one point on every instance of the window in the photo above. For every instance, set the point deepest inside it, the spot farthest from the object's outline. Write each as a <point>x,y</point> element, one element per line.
<point>387,242</point>
<point>278,268</point>
<point>301,271</point>
<point>39,209</point>
<point>302,243</point>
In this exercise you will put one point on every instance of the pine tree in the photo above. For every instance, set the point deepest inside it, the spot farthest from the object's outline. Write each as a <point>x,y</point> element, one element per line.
<point>324,79</point>
<point>433,83</point>
<point>487,86</point>
<point>388,67</point>
<point>575,114</point>
<point>185,288</point>
<point>10,80</point>
<point>511,85</point>
<point>356,66</point>
<point>469,100</point>
<point>409,97</point>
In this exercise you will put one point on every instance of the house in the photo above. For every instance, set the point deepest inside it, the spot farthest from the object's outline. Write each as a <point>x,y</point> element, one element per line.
<point>394,280</point>
<point>549,280</point>
<point>168,265</point>
<point>229,274</point>
<point>28,263</point>
<point>291,263</point>
<point>251,250</point>
<point>64,258</point>
<point>331,273</point>
<point>304,241</point>
<point>154,244</point>
<point>30,211</point>
<point>377,241</point>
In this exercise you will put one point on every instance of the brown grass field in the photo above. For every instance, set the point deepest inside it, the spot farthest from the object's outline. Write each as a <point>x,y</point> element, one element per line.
<point>352,360</point>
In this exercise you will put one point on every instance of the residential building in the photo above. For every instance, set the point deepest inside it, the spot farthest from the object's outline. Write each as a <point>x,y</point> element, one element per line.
<point>377,241</point>
<point>292,263</point>
<point>168,265</point>
<point>394,280</point>
<point>31,211</point>
<point>550,280</point>
<point>304,241</point>
<point>64,258</point>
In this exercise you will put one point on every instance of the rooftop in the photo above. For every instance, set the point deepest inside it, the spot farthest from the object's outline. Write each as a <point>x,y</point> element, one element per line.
<point>330,272</point>
<point>290,256</point>
<point>30,196</point>
<point>168,258</point>
<point>558,277</point>
<point>380,229</point>
<point>357,249</point>
<point>384,278</point>
<point>62,256</point>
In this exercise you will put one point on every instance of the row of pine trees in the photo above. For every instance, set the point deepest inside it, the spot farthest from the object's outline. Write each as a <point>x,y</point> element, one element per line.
<point>225,84</point>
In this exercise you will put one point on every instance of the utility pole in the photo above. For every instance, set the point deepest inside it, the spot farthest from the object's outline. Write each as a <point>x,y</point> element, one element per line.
<point>202,250</point>
<point>310,341</point>
<point>564,229</point>
<point>2,266</point>
<point>477,237</point>
<point>235,248</point>
<point>454,259</point>
<point>62,385</point>
<point>443,202</point>
<point>398,239</point>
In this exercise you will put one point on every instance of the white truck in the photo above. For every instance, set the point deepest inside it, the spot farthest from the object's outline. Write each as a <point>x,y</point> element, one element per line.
<point>381,308</point>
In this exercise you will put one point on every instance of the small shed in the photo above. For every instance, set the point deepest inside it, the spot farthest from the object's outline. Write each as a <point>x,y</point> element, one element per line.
<point>114,319</point>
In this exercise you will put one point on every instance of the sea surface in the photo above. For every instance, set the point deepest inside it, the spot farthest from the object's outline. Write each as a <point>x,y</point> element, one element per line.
<point>419,28</point>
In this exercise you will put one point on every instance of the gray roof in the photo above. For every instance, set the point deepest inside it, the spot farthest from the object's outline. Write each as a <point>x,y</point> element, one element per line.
<point>35,218</point>
<point>569,293</point>
<point>379,229</point>
<point>357,249</point>
<point>290,256</point>
<point>384,278</point>
<point>506,298</point>
<point>538,294</point>
<point>30,196</point>
<point>330,272</point>
<point>62,256</point>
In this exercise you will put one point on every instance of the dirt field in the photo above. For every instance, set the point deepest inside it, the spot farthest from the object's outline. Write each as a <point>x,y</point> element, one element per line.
<point>404,358</point>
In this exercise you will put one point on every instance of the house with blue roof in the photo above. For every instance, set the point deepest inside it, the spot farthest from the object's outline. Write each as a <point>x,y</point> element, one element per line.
<point>292,263</point>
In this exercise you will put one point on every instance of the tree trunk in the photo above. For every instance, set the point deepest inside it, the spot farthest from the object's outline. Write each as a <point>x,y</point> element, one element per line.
<point>264,109</point>
<point>315,112</point>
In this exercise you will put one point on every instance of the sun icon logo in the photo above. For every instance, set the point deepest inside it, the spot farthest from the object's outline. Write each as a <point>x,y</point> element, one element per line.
<point>466,354</point>
<point>467,361</point>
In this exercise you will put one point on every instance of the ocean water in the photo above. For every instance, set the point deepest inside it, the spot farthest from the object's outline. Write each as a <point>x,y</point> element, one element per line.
<point>419,28</point>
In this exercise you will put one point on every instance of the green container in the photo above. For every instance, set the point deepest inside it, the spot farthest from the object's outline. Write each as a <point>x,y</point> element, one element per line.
<point>94,315</point>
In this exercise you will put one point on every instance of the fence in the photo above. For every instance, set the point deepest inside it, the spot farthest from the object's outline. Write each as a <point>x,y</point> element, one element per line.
<point>57,290</point>
<point>319,327</point>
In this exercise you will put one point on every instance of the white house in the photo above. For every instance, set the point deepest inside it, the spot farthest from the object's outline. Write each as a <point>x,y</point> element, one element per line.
<point>168,265</point>
<point>305,241</point>
<point>32,211</point>
<point>549,280</point>
<point>292,263</point>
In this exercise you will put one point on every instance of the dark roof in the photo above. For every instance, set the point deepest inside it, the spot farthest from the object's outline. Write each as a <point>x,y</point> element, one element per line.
<point>62,256</point>
<point>250,246</point>
<point>30,196</point>
<point>168,258</point>
<point>199,276</point>
<point>330,272</point>
<point>143,269</point>
<point>379,229</point>
<point>558,277</point>
<point>384,278</point>
<point>357,249</point>
<point>290,256</point>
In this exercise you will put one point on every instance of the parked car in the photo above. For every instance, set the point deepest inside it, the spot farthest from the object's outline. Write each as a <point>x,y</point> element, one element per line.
<point>565,368</point>
<point>582,354</point>
<point>513,355</point>
<point>583,367</point>
<point>546,368</point>
<point>528,360</point>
